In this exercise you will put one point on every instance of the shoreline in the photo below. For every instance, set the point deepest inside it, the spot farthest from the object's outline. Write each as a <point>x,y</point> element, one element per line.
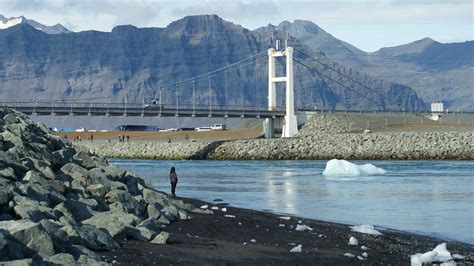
<point>216,239</point>
<point>349,146</point>
<point>321,138</point>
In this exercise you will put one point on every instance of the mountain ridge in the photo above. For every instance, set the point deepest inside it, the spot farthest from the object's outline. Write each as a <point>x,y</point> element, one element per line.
<point>132,64</point>
<point>10,22</point>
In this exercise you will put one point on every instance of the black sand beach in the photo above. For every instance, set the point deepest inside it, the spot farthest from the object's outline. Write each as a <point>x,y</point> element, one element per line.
<point>213,239</point>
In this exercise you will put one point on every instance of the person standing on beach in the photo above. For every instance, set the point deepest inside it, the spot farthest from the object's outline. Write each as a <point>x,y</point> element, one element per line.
<point>173,180</point>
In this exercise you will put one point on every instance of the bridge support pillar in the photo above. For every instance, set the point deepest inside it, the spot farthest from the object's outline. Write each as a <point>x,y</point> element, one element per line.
<point>290,124</point>
<point>269,128</point>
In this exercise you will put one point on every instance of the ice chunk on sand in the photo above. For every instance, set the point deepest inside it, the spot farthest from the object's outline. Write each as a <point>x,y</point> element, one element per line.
<point>224,209</point>
<point>353,241</point>
<point>443,253</point>
<point>365,255</point>
<point>285,218</point>
<point>458,257</point>
<point>364,247</point>
<point>204,206</point>
<point>229,216</point>
<point>350,255</point>
<point>215,208</point>
<point>297,249</point>
<point>303,227</point>
<point>438,254</point>
<point>337,167</point>
<point>365,229</point>
<point>253,240</point>
<point>360,258</point>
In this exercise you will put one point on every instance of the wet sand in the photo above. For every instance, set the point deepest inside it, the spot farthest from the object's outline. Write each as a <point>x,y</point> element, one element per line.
<point>213,239</point>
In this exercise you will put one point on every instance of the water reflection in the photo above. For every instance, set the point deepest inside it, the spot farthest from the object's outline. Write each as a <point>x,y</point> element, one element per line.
<point>280,193</point>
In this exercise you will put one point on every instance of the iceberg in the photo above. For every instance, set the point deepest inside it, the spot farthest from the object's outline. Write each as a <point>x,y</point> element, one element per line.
<point>337,167</point>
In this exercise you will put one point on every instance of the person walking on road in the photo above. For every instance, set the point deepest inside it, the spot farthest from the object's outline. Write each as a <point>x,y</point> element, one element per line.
<point>173,181</point>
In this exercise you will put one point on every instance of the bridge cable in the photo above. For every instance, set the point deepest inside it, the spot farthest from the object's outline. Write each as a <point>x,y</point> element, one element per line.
<point>335,81</point>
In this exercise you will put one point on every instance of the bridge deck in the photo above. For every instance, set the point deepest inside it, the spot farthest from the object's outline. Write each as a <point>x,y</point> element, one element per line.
<point>139,110</point>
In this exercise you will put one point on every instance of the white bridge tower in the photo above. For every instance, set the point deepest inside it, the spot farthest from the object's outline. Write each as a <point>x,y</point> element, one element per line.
<point>290,125</point>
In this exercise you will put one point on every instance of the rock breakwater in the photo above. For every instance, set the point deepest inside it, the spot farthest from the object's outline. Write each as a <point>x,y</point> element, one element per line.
<point>152,150</point>
<point>59,204</point>
<point>323,137</point>
<point>326,137</point>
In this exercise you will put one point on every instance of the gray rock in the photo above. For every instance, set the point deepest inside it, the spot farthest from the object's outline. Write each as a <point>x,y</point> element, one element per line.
<point>23,262</point>
<point>64,156</point>
<point>154,210</point>
<point>161,238</point>
<point>90,236</point>
<point>75,171</point>
<point>151,224</point>
<point>8,173</point>
<point>31,234</point>
<point>114,222</point>
<point>12,249</point>
<point>78,210</point>
<point>88,161</point>
<point>124,201</point>
<point>140,233</point>
<point>61,259</point>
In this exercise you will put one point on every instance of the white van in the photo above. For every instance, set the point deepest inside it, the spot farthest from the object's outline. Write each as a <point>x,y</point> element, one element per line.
<point>200,129</point>
<point>218,127</point>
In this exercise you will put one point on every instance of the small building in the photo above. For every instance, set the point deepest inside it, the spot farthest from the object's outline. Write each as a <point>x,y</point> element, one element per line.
<point>437,107</point>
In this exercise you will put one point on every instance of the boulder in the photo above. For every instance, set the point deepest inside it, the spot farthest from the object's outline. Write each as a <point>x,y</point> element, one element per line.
<point>61,259</point>
<point>90,236</point>
<point>23,262</point>
<point>124,201</point>
<point>64,156</point>
<point>87,160</point>
<point>31,234</point>
<point>114,222</point>
<point>11,248</point>
<point>8,173</point>
<point>161,238</point>
<point>110,172</point>
<point>78,210</point>
<point>151,224</point>
<point>74,171</point>
<point>140,233</point>
<point>153,196</point>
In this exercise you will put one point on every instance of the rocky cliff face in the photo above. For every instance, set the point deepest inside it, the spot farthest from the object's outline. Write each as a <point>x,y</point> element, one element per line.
<point>58,204</point>
<point>131,64</point>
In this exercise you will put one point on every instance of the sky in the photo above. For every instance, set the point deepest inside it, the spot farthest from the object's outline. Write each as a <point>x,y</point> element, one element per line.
<point>366,24</point>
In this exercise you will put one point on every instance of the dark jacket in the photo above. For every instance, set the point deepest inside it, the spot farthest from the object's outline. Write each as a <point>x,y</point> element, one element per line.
<point>173,178</point>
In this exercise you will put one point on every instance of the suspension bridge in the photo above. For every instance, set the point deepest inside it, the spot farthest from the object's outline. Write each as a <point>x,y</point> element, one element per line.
<point>189,98</point>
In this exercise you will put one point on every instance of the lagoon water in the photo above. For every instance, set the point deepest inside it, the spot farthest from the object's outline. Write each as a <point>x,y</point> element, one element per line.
<point>433,198</point>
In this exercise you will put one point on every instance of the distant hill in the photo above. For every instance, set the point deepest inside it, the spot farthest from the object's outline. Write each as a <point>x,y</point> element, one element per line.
<point>131,64</point>
<point>10,22</point>
<point>436,71</point>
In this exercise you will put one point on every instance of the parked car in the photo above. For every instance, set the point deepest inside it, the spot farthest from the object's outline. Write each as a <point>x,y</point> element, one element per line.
<point>153,104</point>
<point>218,127</point>
<point>80,129</point>
<point>199,129</point>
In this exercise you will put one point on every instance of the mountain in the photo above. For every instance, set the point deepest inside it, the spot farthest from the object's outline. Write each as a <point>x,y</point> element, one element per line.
<point>131,64</point>
<point>9,22</point>
<point>436,71</point>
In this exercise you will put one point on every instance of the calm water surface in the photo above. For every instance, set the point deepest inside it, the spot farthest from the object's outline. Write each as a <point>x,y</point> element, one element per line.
<point>429,197</point>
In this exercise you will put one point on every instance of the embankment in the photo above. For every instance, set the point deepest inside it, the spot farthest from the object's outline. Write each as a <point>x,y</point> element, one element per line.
<point>59,204</point>
<point>323,137</point>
